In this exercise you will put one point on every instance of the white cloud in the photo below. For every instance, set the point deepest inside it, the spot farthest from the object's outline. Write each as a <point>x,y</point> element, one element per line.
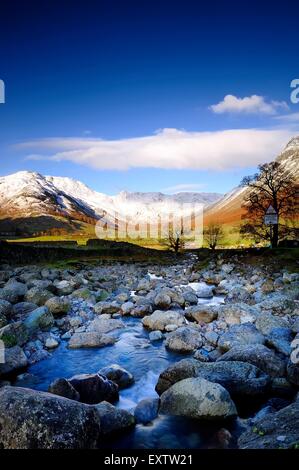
<point>248,105</point>
<point>167,149</point>
<point>289,118</point>
<point>187,187</point>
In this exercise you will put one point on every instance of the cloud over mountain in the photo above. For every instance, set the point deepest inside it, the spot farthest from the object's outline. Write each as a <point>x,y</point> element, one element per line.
<point>166,149</point>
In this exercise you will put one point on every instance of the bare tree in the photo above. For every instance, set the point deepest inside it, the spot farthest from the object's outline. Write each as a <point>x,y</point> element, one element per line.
<point>271,186</point>
<point>175,241</point>
<point>213,234</point>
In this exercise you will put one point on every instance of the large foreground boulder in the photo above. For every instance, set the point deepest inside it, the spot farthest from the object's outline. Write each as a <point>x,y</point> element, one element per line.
<point>94,388</point>
<point>197,398</point>
<point>239,378</point>
<point>31,419</point>
<point>278,430</point>
<point>258,355</point>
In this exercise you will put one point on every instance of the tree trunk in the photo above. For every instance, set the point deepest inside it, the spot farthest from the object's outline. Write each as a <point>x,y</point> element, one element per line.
<point>274,241</point>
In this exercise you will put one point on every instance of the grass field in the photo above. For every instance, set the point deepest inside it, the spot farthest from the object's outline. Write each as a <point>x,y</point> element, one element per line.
<point>231,239</point>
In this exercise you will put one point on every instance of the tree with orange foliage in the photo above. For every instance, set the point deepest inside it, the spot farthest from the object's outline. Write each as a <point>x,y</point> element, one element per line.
<point>271,186</point>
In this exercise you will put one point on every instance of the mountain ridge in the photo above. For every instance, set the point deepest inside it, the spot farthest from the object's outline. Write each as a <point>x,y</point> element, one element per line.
<point>30,195</point>
<point>41,202</point>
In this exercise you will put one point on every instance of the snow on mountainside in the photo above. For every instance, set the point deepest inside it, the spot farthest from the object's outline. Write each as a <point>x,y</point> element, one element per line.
<point>43,200</point>
<point>289,158</point>
<point>28,194</point>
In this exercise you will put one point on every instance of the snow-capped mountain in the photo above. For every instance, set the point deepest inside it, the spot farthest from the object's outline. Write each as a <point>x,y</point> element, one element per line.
<point>25,195</point>
<point>228,209</point>
<point>43,202</point>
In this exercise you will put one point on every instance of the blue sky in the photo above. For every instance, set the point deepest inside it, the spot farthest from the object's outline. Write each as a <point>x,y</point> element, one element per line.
<point>126,90</point>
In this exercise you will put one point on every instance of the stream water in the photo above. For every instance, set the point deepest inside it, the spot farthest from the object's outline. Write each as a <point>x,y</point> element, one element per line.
<point>145,360</point>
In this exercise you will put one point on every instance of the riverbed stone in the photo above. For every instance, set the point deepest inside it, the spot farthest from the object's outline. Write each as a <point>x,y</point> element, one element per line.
<point>265,322</point>
<point>22,309</point>
<point>293,372</point>
<point>30,419</point>
<point>65,287</point>
<point>202,313</point>
<point>239,378</point>
<point>155,336</point>
<point>83,293</point>
<point>162,301</point>
<point>278,430</point>
<point>94,388</point>
<point>198,398</point>
<point>106,307</point>
<point>51,343</point>
<point>14,334</point>
<point>147,410</point>
<point>238,313</point>
<point>114,420</point>
<point>118,375</point>
<point>90,340</point>
<point>3,320</point>
<point>5,310</point>
<point>184,340</point>
<point>141,311</point>
<point>39,319</point>
<point>64,388</point>
<point>126,308</point>
<point>159,319</point>
<point>9,294</point>
<point>258,355</point>
<point>58,306</point>
<point>280,339</point>
<point>238,335</point>
<point>190,298</point>
<point>204,292</point>
<point>15,359</point>
<point>102,326</point>
<point>38,296</point>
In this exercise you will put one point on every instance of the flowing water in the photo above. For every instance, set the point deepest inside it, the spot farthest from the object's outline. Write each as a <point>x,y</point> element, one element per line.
<point>145,360</point>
